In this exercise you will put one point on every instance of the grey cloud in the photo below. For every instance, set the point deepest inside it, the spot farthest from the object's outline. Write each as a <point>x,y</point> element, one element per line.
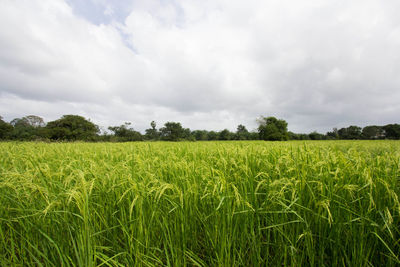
<point>208,64</point>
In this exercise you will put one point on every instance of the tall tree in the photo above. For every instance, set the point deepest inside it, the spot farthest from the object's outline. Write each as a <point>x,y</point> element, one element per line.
<point>316,136</point>
<point>253,135</point>
<point>71,128</point>
<point>351,132</point>
<point>5,129</point>
<point>241,133</point>
<point>125,133</point>
<point>35,121</point>
<point>152,133</point>
<point>200,135</point>
<point>172,131</point>
<point>27,128</point>
<point>225,134</point>
<point>212,135</point>
<point>333,135</point>
<point>20,122</point>
<point>373,132</point>
<point>187,135</point>
<point>272,129</point>
<point>392,131</point>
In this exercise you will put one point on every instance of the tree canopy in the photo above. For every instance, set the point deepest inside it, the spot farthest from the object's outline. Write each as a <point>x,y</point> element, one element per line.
<point>242,133</point>
<point>272,129</point>
<point>392,131</point>
<point>351,132</point>
<point>72,128</point>
<point>126,133</point>
<point>173,131</point>
<point>5,129</point>
<point>152,133</point>
<point>75,127</point>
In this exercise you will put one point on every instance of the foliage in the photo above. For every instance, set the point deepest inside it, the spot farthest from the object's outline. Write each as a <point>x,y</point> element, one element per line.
<point>200,204</point>
<point>34,121</point>
<point>212,135</point>
<point>299,136</point>
<point>225,135</point>
<point>173,131</point>
<point>272,129</point>
<point>152,133</point>
<point>392,131</point>
<point>351,133</point>
<point>316,136</point>
<point>27,128</point>
<point>333,135</point>
<point>5,129</point>
<point>373,132</point>
<point>254,136</point>
<point>242,133</point>
<point>200,135</point>
<point>72,128</point>
<point>124,133</point>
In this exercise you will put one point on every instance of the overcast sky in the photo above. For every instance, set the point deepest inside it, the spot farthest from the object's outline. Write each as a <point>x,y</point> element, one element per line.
<point>209,64</point>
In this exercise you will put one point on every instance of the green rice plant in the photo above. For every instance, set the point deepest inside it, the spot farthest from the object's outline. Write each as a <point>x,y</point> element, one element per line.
<point>250,203</point>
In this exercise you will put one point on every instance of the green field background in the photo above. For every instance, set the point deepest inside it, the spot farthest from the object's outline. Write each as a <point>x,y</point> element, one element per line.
<point>250,203</point>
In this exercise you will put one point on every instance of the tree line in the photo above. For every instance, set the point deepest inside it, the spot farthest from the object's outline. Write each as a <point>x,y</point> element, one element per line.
<point>78,128</point>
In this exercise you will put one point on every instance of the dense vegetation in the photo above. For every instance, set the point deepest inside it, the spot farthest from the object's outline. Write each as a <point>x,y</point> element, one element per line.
<point>200,204</point>
<point>73,128</point>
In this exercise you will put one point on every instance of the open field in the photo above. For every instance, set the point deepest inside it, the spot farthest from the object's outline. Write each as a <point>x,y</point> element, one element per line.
<point>328,203</point>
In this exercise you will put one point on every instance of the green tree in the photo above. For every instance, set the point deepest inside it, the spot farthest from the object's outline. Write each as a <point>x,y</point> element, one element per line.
<point>172,131</point>
<point>298,136</point>
<point>225,134</point>
<point>373,132</point>
<point>333,135</point>
<point>5,129</point>
<point>392,131</point>
<point>71,128</point>
<point>20,122</point>
<point>272,129</point>
<point>200,135</point>
<point>212,135</point>
<point>124,133</point>
<point>316,136</point>
<point>152,133</point>
<point>253,135</point>
<point>241,133</point>
<point>352,132</point>
<point>187,135</point>
<point>27,128</point>
<point>34,121</point>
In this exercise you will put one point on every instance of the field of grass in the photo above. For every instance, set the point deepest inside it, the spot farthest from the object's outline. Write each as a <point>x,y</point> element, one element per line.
<point>328,203</point>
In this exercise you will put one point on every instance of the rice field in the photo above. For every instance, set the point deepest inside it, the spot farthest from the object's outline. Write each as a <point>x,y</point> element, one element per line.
<point>251,203</point>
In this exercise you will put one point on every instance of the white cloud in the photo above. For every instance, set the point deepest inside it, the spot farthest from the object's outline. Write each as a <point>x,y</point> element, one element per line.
<point>208,64</point>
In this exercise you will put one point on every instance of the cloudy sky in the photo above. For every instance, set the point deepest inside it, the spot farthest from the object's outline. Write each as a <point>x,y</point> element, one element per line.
<point>209,64</point>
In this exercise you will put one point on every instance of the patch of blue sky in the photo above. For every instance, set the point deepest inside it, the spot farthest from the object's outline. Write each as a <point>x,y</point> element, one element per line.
<point>102,11</point>
<point>105,12</point>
